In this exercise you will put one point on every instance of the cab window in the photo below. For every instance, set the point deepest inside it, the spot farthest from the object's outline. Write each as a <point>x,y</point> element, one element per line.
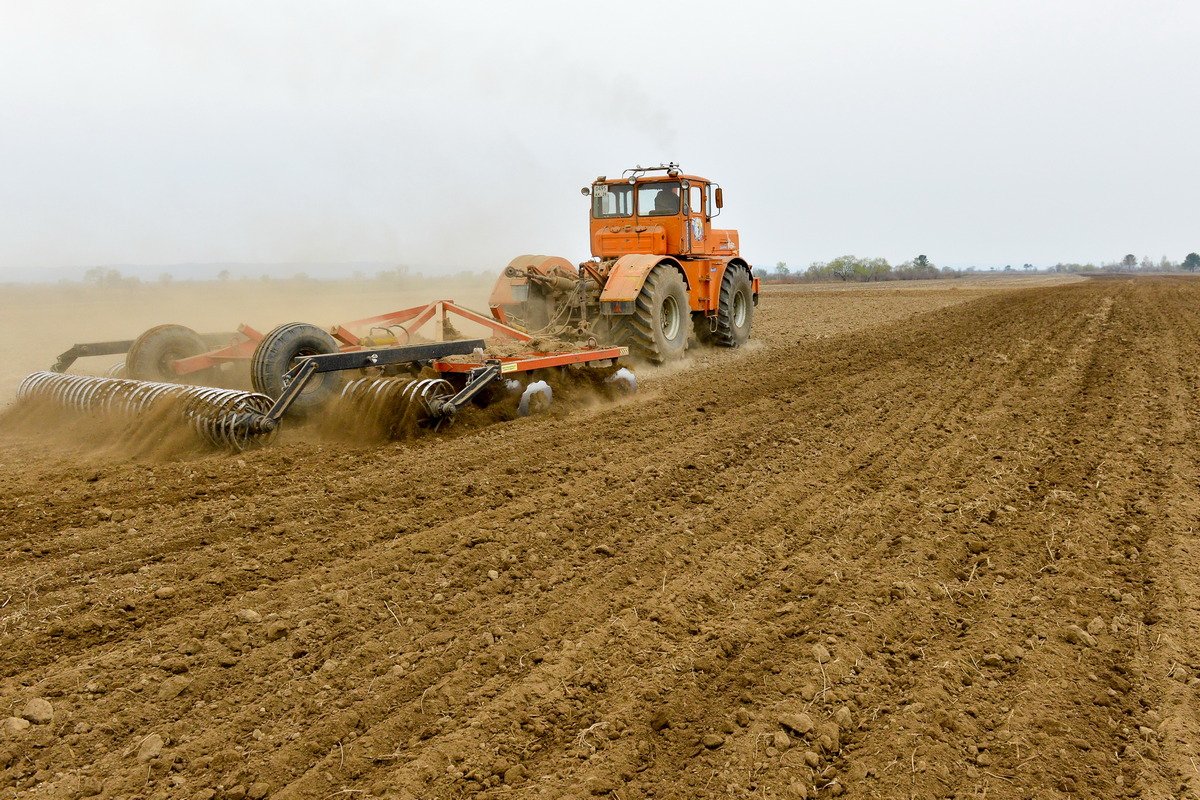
<point>658,199</point>
<point>612,200</point>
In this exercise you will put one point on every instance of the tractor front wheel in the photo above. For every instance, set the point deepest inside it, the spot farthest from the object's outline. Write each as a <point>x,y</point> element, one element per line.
<point>657,330</point>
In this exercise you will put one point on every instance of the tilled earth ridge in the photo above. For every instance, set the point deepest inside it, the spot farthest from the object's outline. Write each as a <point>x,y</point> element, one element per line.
<point>950,555</point>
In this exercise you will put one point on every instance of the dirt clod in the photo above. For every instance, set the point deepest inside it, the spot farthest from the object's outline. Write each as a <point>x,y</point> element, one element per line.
<point>150,748</point>
<point>843,717</point>
<point>828,736</point>
<point>798,722</point>
<point>1077,635</point>
<point>15,725</point>
<point>38,710</point>
<point>173,687</point>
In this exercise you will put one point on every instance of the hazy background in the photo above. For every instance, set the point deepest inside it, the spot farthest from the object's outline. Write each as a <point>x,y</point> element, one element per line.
<point>451,136</point>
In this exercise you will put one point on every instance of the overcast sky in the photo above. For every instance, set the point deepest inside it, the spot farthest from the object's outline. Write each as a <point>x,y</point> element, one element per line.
<point>456,135</point>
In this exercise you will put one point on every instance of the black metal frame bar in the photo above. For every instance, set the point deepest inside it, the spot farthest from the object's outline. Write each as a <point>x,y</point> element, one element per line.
<point>65,360</point>
<point>116,348</point>
<point>389,356</point>
<point>298,376</point>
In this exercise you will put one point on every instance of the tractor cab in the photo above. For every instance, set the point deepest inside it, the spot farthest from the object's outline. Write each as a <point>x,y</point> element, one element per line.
<point>667,214</point>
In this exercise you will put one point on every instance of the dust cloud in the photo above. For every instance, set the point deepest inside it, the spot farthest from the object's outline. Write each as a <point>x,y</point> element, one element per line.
<point>42,321</point>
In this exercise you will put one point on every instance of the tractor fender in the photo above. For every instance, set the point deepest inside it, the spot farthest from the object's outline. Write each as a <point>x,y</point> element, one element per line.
<point>504,292</point>
<point>718,277</point>
<point>626,277</point>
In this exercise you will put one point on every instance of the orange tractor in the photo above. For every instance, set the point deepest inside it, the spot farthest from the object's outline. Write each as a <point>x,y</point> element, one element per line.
<point>661,275</point>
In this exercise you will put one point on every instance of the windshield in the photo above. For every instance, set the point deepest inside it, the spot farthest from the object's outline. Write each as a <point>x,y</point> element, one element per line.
<point>612,200</point>
<point>658,199</point>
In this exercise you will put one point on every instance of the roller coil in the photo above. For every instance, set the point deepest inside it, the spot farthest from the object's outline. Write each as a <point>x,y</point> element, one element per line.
<point>224,418</point>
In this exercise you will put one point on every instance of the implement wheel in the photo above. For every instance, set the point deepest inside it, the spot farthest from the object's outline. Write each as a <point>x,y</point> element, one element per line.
<point>735,311</point>
<point>657,330</point>
<point>152,354</point>
<point>276,354</point>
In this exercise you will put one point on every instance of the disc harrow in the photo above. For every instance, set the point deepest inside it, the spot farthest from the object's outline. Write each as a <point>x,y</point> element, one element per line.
<point>234,420</point>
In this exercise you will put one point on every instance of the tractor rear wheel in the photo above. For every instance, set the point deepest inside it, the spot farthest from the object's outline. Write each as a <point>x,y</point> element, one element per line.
<point>735,310</point>
<point>152,354</point>
<point>657,330</point>
<point>276,354</point>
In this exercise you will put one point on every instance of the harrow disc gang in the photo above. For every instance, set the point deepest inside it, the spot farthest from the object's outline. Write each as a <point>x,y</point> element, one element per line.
<point>398,406</point>
<point>223,418</point>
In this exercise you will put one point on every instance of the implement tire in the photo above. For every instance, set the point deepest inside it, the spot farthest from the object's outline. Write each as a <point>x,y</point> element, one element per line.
<point>276,354</point>
<point>658,328</point>
<point>150,356</point>
<point>735,310</point>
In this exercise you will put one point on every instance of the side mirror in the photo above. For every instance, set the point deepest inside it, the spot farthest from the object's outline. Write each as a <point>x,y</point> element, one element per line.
<point>585,191</point>
<point>720,198</point>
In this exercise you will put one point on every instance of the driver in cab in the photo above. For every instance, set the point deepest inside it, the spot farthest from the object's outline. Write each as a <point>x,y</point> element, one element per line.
<point>667,200</point>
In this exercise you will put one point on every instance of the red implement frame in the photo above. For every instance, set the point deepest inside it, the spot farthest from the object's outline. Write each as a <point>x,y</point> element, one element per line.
<point>408,320</point>
<point>240,349</point>
<point>418,316</point>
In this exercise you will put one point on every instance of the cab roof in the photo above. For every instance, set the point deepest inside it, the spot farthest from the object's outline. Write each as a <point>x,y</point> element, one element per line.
<point>651,179</point>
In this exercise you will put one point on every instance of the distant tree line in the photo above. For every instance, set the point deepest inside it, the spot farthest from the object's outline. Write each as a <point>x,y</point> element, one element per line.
<point>1131,263</point>
<point>864,270</point>
<point>853,268</point>
<point>108,278</point>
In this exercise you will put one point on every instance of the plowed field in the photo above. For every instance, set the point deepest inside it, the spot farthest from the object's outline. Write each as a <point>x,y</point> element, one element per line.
<point>911,542</point>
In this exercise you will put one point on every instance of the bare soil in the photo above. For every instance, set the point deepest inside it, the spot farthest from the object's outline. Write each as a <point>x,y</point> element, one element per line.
<point>912,541</point>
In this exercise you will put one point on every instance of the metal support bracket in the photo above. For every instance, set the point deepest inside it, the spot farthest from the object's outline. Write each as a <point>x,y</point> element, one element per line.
<point>476,380</point>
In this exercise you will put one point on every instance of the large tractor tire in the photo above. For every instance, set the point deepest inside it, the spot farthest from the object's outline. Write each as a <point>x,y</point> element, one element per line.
<point>735,309</point>
<point>657,330</point>
<point>276,354</point>
<point>151,355</point>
